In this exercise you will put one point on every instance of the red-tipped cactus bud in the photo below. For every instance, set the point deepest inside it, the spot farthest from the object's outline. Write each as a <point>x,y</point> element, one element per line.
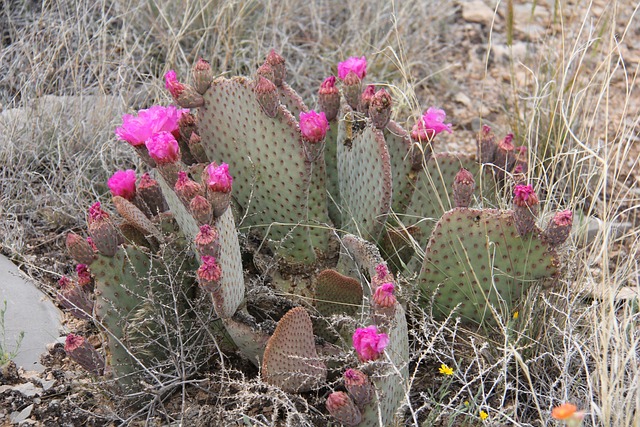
<point>201,210</point>
<point>74,299</point>
<point>196,148</point>
<point>365,98</point>
<point>329,98</point>
<point>202,76</point>
<point>525,208</point>
<point>150,192</point>
<point>278,66</point>
<point>559,227</point>
<point>267,96</point>
<point>313,126</point>
<point>184,95</point>
<point>504,156</point>
<point>342,408</point>
<point>209,274</point>
<point>486,142</point>
<point>359,386</point>
<point>354,64</point>
<point>102,231</point>
<point>79,249</point>
<point>383,275</point>
<point>380,109</point>
<point>430,124</point>
<point>463,187</point>
<point>123,184</point>
<point>187,189</point>
<point>384,297</point>
<point>187,125</point>
<point>83,353</point>
<point>84,276</point>
<point>352,89</point>
<point>207,241</point>
<point>265,71</point>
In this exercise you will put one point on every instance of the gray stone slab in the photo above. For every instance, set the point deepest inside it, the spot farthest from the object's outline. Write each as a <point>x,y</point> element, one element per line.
<point>28,310</point>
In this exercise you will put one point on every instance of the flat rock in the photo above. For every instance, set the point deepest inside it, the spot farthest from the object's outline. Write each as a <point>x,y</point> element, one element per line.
<point>28,311</point>
<point>477,11</point>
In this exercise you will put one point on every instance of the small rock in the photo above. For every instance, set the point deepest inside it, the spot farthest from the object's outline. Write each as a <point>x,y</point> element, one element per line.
<point>477,11</point>
<point>463,99</point>
<point>28,389</point>
<point>18,417</point>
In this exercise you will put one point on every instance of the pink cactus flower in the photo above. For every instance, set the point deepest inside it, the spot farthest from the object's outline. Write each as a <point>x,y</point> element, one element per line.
<point>313,126</point>
<point>369,344</point>
<point>209,273</point>
<point>523,195</point>
<point>172,84</point>
<point>430,124</point>
<point>123,183</point>
<point>219,178</point>
<point>72,342</point>
<point>355,64</point>
<point>384,295</point>
<point>564,218</point>
<point>96,212</point>
<point>163,148</point>
<point>137,129</point>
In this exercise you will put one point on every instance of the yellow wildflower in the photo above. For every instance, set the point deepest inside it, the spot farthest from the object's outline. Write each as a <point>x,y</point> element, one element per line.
<point>445,370</point>
<point>483,415</point>
<point>515,315</point>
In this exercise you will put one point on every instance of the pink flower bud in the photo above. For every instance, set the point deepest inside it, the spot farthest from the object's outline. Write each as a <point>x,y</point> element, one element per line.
<point>202,76</point>
<point>79,249</point>
<point>64,282</point>
<point>84,276</point>
<point>342,408</point>
<point>329,98</point>
<point>186,188</point>
<point>486,142</point>
<point>219,179</point>
<point>368,343</point>
<point>265,71</point>
<point>355,64</point>
<point>383,297</point>
<point>359,386</point>
<point>83,353</point>
<point>382,271</point>
<point>96,213</point>
<point>207,241</point>
<point>209,273</point>
<point>201,209</point>
<point>313,126</point>
<point>559,227</point>
<point>277,63</point>
<point>523,195</point>
<point>72,342</point>
<point>366,97</point>
<point>163,148</point>
<point>267,96</point>
<point>430,124</point>
<point>173,85</point>
<point>123,184</point>
<point>380,109</point>
<point>149,190</point>
<point>463,188</point>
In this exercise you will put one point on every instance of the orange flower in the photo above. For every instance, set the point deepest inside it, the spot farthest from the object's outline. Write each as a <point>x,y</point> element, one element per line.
<point>564,411</point>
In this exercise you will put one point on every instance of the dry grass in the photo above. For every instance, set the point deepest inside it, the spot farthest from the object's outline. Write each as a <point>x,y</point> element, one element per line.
<point>573,96</point>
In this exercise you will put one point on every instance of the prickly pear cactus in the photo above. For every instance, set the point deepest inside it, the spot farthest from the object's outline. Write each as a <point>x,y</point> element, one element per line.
<point>476,262</point>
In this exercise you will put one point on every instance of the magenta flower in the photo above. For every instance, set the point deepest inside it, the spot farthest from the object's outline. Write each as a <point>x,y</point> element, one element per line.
<point>172,84</point>
<point>163,148</point>
<point>430,124</point>
<point>96,212</point>
<point>137,129</point>
<point>355,64</point>
<point>123,183</point>
<point>313,126</point>
<point>219,178</point>
<point>369,344</point>
<point>523,195</point>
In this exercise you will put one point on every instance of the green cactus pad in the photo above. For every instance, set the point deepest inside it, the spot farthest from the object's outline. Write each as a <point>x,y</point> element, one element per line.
<point>404,178</point>
<point>291,361</point>
<point>475,258</point>
<point>250,341</point>
<point>331,167</point>
<point>364,173</point>
<point>390,377</point>
<point>231,293</point>
<point>337,294</point>
<point>267,160</point>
